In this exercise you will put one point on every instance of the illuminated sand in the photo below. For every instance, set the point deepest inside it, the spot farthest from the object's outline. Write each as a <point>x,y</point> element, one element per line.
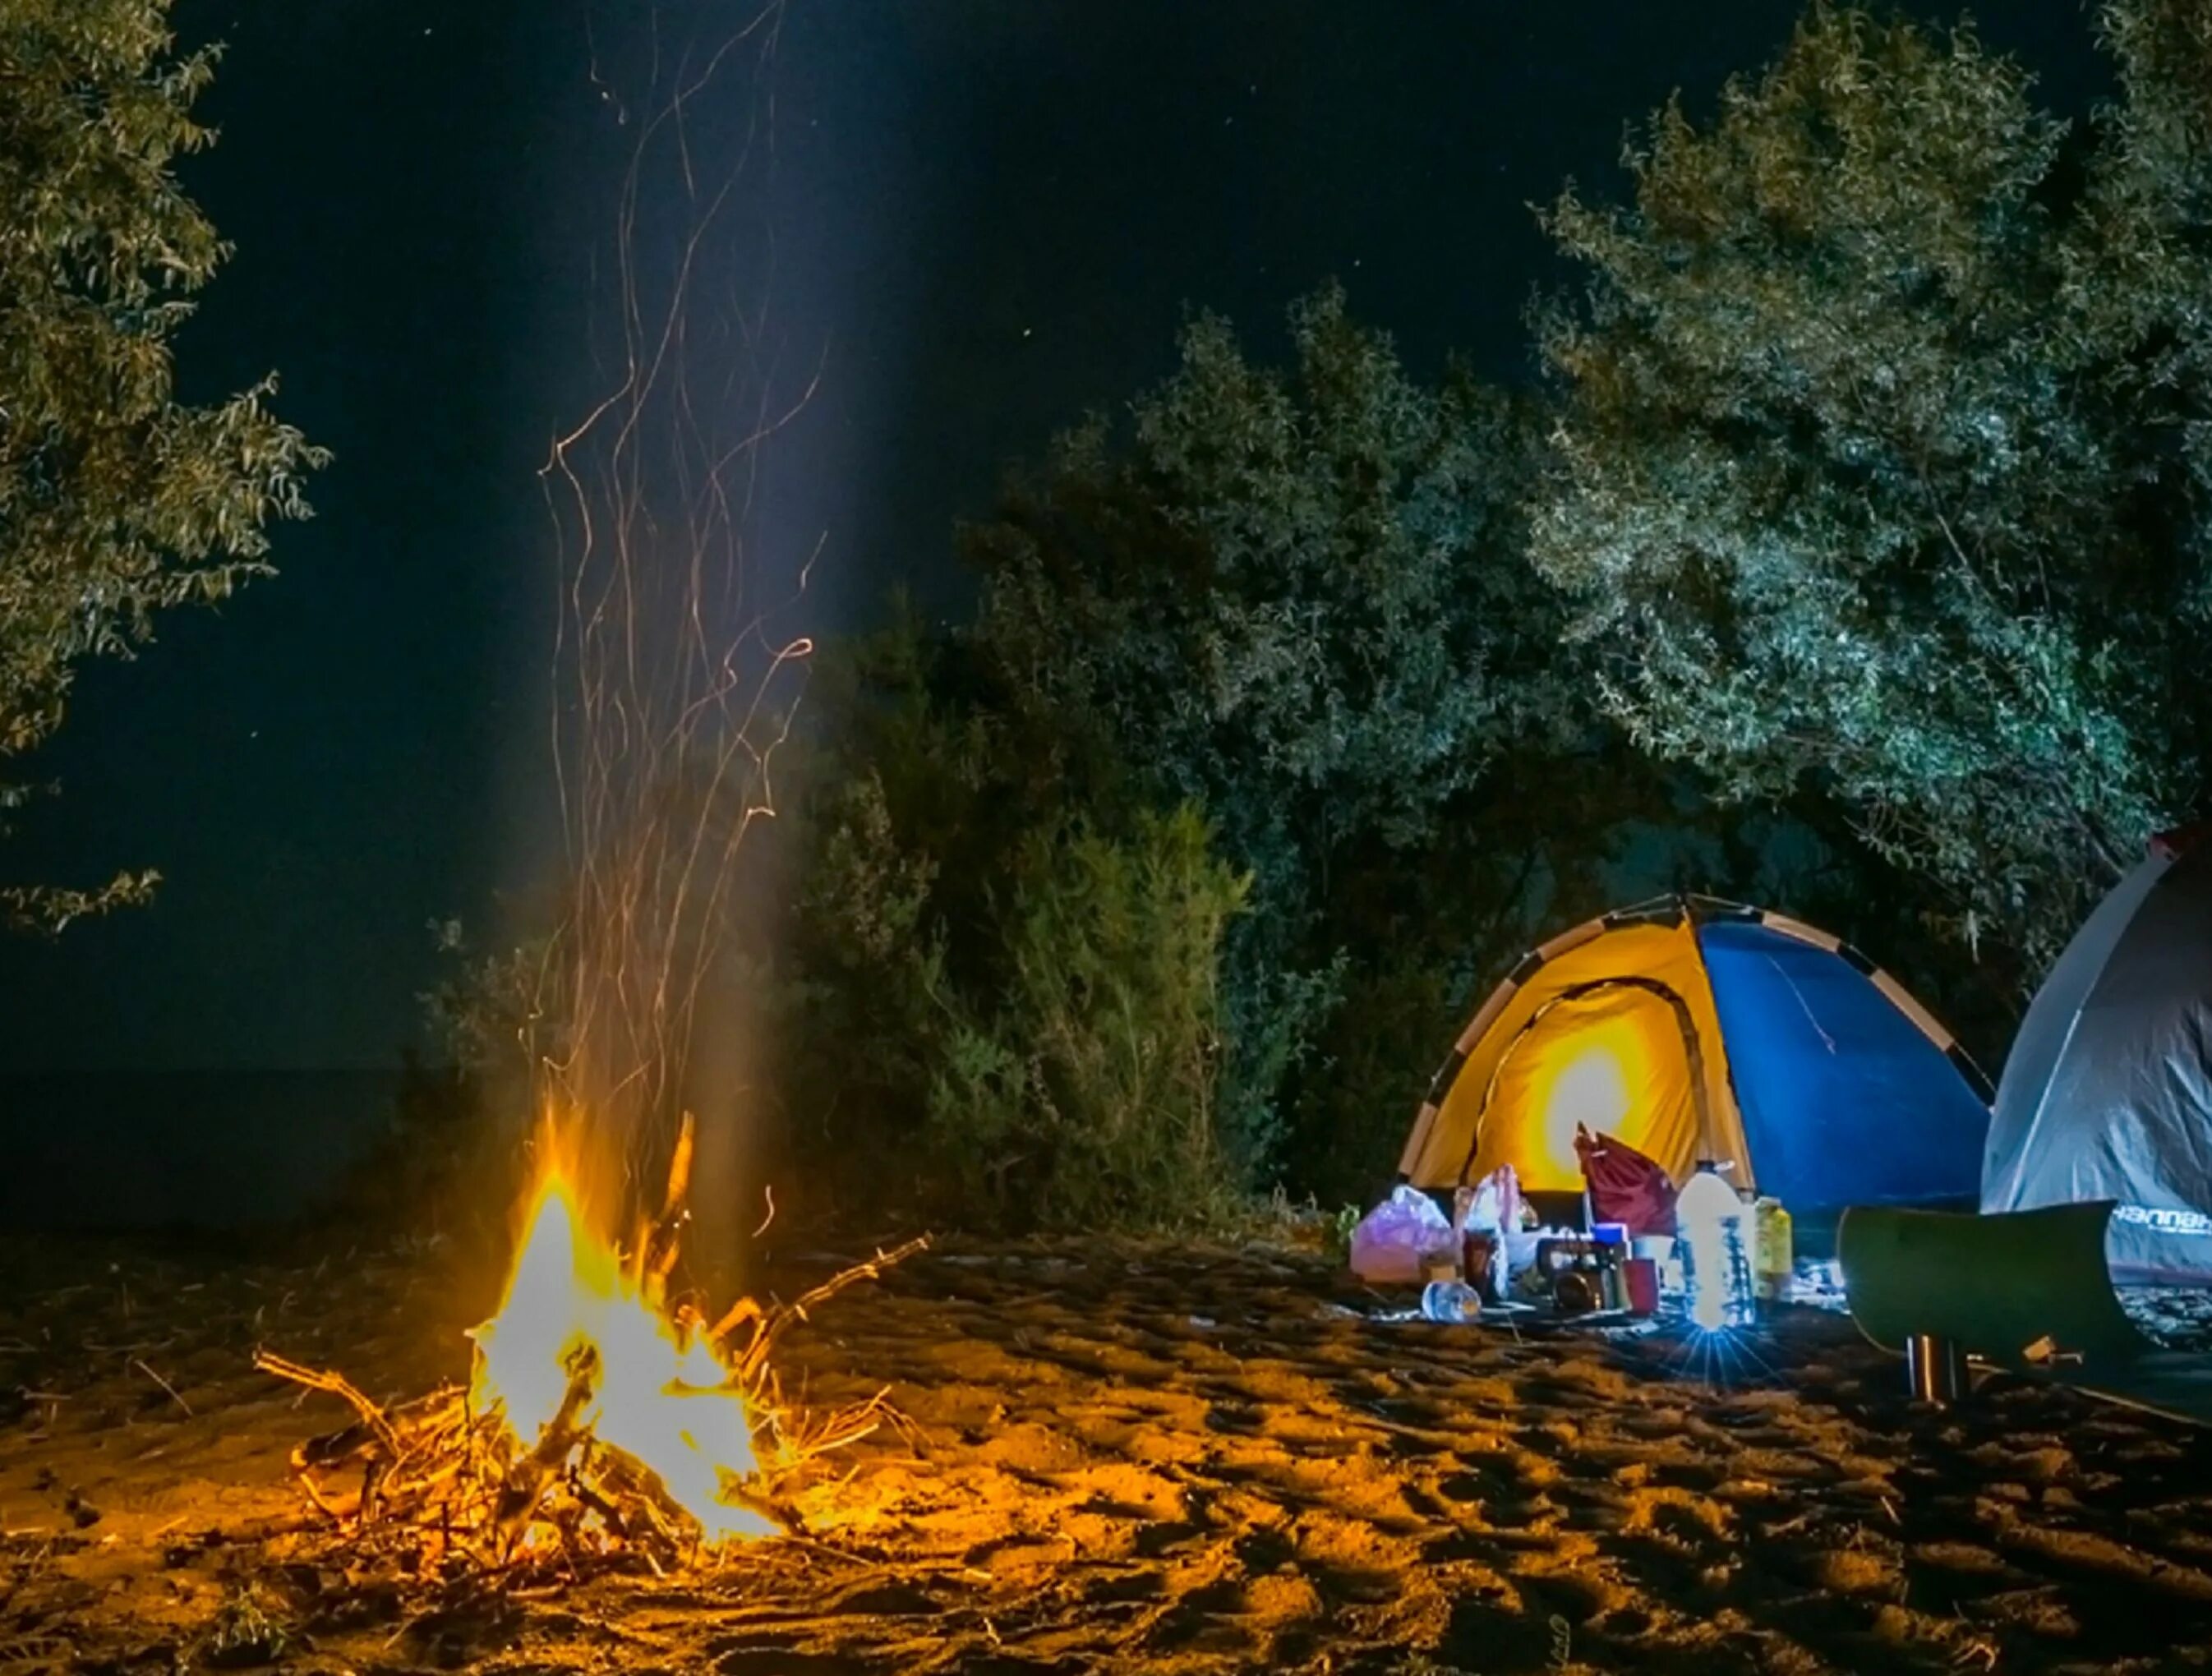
<point>1153,1461</point>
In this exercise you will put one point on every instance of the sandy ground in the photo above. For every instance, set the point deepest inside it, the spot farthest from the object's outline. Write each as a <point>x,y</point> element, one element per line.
<point>1142,1460</point>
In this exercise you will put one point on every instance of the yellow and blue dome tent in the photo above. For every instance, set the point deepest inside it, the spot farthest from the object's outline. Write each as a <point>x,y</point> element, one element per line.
<point>1692,1029</point>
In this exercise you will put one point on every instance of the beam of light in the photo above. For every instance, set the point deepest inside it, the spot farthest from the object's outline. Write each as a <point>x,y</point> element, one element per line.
<point>1723,1358</point>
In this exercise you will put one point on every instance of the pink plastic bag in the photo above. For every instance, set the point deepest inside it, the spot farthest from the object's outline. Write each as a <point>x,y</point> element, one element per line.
<point>1395,1238</point>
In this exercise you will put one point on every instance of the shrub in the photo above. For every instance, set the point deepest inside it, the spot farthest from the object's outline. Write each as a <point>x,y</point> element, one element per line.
<point>1084,1091</point>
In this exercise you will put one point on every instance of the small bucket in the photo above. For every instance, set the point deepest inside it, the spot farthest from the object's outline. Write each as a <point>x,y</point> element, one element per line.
<point>1640,1276</point>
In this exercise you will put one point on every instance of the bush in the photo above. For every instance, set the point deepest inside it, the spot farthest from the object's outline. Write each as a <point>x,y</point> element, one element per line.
<point>989,1008</point>
<point>1084,1093</point>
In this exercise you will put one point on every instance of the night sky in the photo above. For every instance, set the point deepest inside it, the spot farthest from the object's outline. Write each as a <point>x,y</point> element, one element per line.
<point>988,216</point>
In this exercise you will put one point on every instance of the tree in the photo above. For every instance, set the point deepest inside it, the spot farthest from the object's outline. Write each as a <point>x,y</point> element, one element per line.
<point>117,500</point>
<point>1855,493</point>
<point>1299,599</point>
<point>2139,269</point>
<point>999,1000</point>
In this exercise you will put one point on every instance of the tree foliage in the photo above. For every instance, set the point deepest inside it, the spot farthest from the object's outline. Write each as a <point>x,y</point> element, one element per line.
<point>1857,491</point>
<point>1297,598</point>
<point>1295,601</point>
<point>117,500</point>
<point>998,1000</point>
<point>1292,596</point>
<point>1853,558</point>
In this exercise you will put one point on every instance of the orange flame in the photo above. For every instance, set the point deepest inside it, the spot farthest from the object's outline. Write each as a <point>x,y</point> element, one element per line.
<point>664,1397</point>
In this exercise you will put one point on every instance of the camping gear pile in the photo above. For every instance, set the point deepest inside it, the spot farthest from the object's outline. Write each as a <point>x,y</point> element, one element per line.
<point>1629,1111</point>
<point>1654,1086</point>
<point>1707,1249</point>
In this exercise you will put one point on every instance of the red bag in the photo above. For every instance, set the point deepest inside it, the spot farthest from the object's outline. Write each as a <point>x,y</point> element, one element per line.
<point>1624,1186</point>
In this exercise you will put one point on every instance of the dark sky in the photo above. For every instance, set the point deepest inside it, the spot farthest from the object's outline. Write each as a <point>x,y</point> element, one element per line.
<point>987,215</point>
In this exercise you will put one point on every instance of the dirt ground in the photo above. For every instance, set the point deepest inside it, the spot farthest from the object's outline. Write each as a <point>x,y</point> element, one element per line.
<point>1143,1459</point>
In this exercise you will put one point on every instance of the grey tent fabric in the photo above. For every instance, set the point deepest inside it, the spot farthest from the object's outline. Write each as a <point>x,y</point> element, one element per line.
<point>2107,1094</point>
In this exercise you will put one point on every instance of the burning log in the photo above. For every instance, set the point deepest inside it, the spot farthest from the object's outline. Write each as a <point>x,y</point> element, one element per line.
<point>527,1479</point>
<point>597,1423</point>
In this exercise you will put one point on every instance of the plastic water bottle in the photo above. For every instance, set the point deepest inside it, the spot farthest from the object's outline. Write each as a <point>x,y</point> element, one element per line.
<point>1711,1214</point>
<point>1452,1301</point>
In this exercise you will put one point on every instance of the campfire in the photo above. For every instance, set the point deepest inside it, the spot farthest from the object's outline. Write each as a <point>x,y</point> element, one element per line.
<point>603,1417</point>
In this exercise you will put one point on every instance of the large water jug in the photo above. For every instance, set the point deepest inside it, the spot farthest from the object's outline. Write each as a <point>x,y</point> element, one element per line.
<point>1712,1222</point>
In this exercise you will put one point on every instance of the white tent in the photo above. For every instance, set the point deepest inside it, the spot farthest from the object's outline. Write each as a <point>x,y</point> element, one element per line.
<point>2107,1094</point>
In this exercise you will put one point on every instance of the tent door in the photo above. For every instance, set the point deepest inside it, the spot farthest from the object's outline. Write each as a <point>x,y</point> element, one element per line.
<point>1619,1055</point>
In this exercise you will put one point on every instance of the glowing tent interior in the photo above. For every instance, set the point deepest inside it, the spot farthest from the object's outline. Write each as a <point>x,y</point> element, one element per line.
<point>1692,1029</point>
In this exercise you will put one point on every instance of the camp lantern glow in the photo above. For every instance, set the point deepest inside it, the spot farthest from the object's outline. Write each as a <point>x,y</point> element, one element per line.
<point>659,1394</point>
<point>1589,1090</point>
